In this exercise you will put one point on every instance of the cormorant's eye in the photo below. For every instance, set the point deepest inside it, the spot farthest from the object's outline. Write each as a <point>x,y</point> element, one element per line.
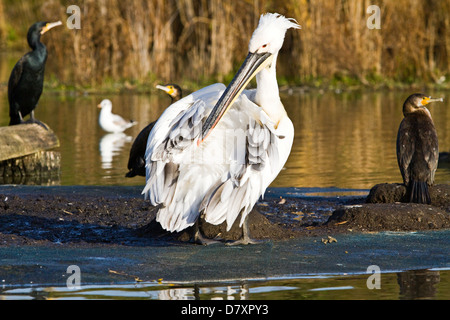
<point>425,100</point>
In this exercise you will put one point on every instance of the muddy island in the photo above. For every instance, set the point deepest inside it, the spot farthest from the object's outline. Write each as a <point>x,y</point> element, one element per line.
<point>87,215</point>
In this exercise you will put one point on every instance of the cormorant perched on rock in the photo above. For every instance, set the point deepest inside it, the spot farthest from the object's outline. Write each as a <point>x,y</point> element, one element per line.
<point>417,148</point>
<point>136,162</point>
<point>27,77</point>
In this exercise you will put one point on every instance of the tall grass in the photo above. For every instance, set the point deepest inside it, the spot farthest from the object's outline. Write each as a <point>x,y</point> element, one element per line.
<point>172,40</point>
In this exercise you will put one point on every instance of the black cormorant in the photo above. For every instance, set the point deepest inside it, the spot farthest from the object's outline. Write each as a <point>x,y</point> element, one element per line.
<point>136,162</point>
<point>27,77</point>
<point>417,148</point>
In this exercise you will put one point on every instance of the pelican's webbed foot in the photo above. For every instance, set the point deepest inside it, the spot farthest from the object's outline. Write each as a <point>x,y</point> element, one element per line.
<point>198,237</point>
<point>246,239</point>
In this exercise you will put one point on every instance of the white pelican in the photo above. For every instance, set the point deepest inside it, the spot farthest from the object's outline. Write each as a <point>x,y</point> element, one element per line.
<point>214,152</point>
<point>111,122</point>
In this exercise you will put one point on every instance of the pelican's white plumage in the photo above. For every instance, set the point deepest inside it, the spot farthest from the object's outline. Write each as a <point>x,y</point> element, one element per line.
<point>111,122</point>
<point>225,174</point>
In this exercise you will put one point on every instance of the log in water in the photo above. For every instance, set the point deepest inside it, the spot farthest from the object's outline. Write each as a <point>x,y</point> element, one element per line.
<point>25,155</point>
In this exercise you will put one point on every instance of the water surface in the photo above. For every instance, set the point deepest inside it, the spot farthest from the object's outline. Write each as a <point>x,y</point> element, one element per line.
<point>415,284</point>
<point>343,140</point>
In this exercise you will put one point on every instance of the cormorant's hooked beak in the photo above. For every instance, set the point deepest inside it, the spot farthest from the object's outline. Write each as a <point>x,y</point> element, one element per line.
<point>253,64</point>
<point>427,100</point>
<point>49,26</point>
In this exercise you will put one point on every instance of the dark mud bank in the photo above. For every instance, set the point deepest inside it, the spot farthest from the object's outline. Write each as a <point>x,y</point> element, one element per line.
<point>86,215</point>
<point>386,210</point>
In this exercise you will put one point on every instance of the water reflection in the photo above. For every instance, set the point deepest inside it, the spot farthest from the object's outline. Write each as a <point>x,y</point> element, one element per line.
<point>418,284</point>
<point>348,140</point>
<point>412,284</point>
<point>197,292</point>
<point>341,140</point>
<point>112,144</point>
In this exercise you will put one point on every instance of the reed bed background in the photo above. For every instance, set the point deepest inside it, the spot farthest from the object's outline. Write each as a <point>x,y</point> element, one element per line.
<point>204,40</point>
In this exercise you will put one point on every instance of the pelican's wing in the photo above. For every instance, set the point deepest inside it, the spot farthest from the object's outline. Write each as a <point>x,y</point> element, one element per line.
<point>250,94</point>
<point>162,128</point>
<point>169,180</point>
<point>266,150</point>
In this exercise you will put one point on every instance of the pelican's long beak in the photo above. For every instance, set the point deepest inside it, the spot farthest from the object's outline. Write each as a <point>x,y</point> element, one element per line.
<point>49,26</point>
<point>253,64</point>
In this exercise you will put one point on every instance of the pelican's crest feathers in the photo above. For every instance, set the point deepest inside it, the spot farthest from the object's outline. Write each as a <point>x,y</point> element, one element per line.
<point>271,30</point>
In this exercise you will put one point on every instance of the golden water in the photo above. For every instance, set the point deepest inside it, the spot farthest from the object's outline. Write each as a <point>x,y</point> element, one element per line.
<point>343,140</point>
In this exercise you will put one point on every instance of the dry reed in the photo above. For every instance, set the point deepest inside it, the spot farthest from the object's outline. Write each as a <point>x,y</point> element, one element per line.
<point>173,40</point>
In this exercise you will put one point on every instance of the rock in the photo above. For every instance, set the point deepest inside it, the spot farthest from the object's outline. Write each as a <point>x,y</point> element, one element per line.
<point>386,208</point>
<point>395,192</point>
<point>440,196</point>
<point>259,226</point>
<point>390,216</point>
<point>387,193</point>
